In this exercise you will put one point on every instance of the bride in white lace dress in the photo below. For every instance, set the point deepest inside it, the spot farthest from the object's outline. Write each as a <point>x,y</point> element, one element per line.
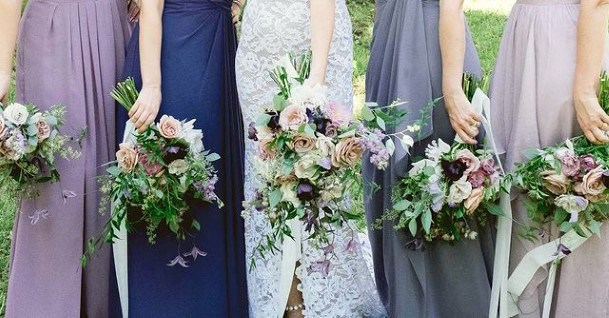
<point>270,30</point>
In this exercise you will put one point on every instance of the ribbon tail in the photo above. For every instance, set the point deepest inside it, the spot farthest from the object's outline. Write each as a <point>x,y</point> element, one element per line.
<point>291,253</point>
<point>499,296</point>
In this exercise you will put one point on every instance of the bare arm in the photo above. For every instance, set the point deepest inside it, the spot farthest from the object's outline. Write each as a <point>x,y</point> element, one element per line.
<point>10,13</point>
<point>323,14</point>
<point>237,8</point>
<point>147,106</point>
<point>464,119</point>
<point>591,48</point>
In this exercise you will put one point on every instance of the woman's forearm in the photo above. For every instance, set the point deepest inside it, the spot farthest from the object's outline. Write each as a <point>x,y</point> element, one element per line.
<point>591,45</point>
<point>10,13</point>
<point>151,38</point>
<point>452,44</point>
<point>322,29</point>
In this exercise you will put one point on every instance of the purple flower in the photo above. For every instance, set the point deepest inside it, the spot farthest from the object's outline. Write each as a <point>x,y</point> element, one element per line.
<point>488,166</point>
<point>477,178</point>
<point>195,252</point>
<point>325,163</point>
<point>328,249</point>
<point>606,178</point>
<point>37,215</point>
<point>252,132</point>
<point>587,162</point>
<point>173,153</point>
<point>570,165</point>
<point>562,249</point>
<point>351,246</point>
<point>453,170</point>
<point>179,260</point>
<point>305,191</point>
<point>322,267</point>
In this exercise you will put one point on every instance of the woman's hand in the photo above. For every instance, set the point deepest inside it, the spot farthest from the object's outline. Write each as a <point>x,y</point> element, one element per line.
<point>592,119</point>
<point>146,108</point>
<point>5,83</point>
<point>236,10</point>
<point>463,117</point>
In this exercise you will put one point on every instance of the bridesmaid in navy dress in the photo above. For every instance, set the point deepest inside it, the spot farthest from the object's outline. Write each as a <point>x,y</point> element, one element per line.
<point>184,51</point>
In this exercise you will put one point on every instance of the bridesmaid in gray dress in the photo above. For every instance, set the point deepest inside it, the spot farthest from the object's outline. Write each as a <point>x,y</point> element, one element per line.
<point>407,63</point>
<point>70,52</point>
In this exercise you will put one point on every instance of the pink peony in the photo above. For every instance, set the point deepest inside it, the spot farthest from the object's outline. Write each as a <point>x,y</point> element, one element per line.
<point>339,113</point>
<point>477,178</point>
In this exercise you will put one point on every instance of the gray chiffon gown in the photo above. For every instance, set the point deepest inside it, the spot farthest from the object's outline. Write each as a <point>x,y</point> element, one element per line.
<point>440,280</point>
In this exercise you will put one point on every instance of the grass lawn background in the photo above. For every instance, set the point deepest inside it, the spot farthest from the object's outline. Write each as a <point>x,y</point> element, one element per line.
<point>486,18</point>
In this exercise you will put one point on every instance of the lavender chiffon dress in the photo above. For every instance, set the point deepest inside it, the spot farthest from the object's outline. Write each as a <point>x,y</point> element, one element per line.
<point>70,52</point>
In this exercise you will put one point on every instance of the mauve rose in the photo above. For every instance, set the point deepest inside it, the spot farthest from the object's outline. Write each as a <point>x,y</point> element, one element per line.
<point>469,159</point>
<point>127,157</point>
<point>303,143</point>
<point>592,184</point>
<point>570,165</point>
<point>43,129</point>
<point>331,130</point>
<point>169,127</point>
<point>473,201</point>
<point>488,166</point>
<point>555,183</point>
<point>347,152</point>
<point>264,149</point>
<point>477,178</point>
<point>587,162</point>
<point>292,117</point>
<point>151,168</point>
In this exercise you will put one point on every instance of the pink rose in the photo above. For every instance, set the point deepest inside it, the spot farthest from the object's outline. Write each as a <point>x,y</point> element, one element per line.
<point>43,129</point>
<point>339,113</point>
<point>264,149</point>
<point>347,153</point>
<point>152,168</point>
<point>169,127</point>
<point>592,184</point>
<point>477,178</point>
<point>303,143</point>
<point>469,159</point>
<point>127,157</point>
<point>555,183</point>
<point>473,201</point>
<point>587,162</point>
<point>331,131</point>
<point>292,117</point>
<point>488,166</point>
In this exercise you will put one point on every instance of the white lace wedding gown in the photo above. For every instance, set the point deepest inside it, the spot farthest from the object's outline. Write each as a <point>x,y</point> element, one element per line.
<point>270,30</point>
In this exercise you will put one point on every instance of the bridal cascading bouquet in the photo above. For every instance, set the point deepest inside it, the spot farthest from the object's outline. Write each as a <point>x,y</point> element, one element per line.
<point>449,191</point>
<point>309,159</point>
<point>30,144</point>
<point>157,175</point>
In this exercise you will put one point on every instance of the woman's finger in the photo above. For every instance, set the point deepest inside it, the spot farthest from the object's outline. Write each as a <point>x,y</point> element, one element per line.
<point>466,138</point>
<point>134,108</point>
<point>149,120</point>
<point>599,135</point>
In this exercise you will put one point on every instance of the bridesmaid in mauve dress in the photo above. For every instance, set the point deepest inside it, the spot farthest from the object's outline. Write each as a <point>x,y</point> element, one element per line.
<point>406,63</point>
<point>184,51</point>
<point>70,52</point>
<point>534,106</point>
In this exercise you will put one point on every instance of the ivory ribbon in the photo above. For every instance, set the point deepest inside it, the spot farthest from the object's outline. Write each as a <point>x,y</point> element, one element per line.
<point>119,247</point>
<point>291,254</point>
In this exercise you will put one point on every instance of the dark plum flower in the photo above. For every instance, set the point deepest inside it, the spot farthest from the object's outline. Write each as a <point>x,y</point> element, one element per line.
<point>310,115</point>
<point>305,191</point>
<point>321,124</point>
<point>453,170</point>
<point>173,153</point>
<point>252,132</point>
<point>562,249</point>
<point>273,123</point>
<point>606,178</point>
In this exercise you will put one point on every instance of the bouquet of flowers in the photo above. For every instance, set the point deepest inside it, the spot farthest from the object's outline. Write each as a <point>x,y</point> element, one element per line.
<point>30,143</point>
<point>569,183</point>
<point>157,174</point>
<point>447,191</point>
<point>309,151</point>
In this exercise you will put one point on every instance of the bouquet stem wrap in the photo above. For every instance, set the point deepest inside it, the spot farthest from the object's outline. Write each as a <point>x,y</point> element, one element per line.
<point>119,247</point>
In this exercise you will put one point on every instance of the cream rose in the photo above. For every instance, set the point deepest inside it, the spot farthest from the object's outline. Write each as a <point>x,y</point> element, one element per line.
<point>16,114</point>
<point>43,129</point>
<point>573,204</point>
<point>306,167</point>
<point>347,152</point>
<point>325,146</point>
<point>592,184</point>
<point>555,183</point>
<point>458,192</point>
<point>178,167</point>
<point>288,192</point>
<point>469,159</point>
<point>2,127</point>
<point>473,201</point>
<point>169,127</point>
<point>127,157</point>
<point>292,117</point>
<point>303,143</point>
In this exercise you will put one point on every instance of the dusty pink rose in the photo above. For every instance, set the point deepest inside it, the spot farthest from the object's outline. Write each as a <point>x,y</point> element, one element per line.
<point>339,113</point>
<point>555,183</point>
<point>2,127</point>
<point>292,117</point>
<point>469,159</point>
<point>169,127</point>
<point>303,143</point>
<point>331,131</point>
<point>473,201</point>
<point>151,168</point>
<point>587,162</point>
<point>347,152</point>
<point>477,178</point>
<point>43,129</point>
<point>488,166</point>
<point>592,184</point>
<point>570,163</point>
<point>127,157</point>
<point>264,149</point>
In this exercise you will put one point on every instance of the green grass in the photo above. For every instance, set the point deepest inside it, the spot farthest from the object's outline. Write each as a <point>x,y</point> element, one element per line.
<point>486,19</point>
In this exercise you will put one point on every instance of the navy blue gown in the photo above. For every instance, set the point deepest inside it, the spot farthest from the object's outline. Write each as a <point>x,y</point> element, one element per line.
<point>198,82</point>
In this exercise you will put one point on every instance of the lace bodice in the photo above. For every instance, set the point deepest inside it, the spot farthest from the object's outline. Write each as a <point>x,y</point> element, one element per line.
<point>270,30</point>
